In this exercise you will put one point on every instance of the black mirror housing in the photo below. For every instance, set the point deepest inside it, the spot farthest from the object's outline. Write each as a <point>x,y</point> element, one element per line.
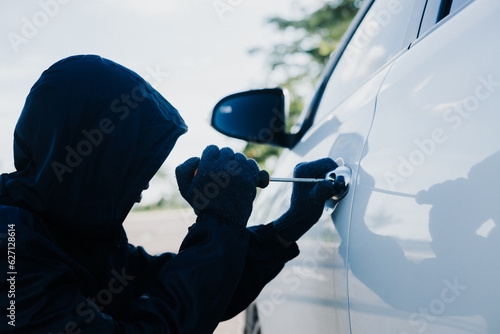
<point>256,116</point>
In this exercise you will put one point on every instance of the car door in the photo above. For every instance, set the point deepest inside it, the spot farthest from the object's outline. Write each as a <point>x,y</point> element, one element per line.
<point>311,294</point>
<point>423,241</point>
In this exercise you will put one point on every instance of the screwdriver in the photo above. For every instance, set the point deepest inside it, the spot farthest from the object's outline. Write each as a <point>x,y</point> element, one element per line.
<point>341,172</point>
<point>264,179</point>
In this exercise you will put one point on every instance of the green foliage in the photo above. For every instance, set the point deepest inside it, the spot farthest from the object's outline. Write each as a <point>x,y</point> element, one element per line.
<point>297,62</point>
<point>315,37</point>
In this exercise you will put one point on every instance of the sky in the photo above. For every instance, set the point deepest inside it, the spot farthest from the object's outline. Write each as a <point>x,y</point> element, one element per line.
<point>194,52</point>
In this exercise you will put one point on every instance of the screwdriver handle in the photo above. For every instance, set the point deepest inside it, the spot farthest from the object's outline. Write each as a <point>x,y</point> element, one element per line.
<point>263,179</point>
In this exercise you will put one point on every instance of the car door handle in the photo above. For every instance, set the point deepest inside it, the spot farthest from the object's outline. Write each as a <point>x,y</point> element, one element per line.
<point>340,171</point>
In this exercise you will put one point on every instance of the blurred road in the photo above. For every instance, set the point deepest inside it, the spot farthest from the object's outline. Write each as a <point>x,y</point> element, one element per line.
<point>163,231</point>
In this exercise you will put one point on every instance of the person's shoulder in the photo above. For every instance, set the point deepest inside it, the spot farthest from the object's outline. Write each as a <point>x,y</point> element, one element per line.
<point>9,214</point>
<point>8,209</point>
<point>22,223</point>
<point>14,214</point>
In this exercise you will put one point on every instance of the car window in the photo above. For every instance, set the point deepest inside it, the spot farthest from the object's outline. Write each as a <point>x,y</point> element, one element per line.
<point>450,6</point>
<point>378,38</point>
<point>436,10</point>
<point>456,4</point>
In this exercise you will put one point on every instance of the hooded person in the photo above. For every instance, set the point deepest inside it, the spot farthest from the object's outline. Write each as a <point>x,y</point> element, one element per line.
<point>89,139</point>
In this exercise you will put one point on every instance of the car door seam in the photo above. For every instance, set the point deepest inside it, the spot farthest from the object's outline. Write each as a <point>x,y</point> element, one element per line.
<point>354,187</point>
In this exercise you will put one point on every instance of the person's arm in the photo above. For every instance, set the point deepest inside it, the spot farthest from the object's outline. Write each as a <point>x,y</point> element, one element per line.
<point>194,288</point>
<point>265,258</point>
<point>272,245</point>
<point>223,184</point>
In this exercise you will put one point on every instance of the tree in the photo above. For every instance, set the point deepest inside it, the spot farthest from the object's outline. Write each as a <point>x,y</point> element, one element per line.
<point>297,63</point>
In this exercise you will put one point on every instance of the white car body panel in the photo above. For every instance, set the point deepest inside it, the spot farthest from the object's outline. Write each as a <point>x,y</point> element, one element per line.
<point>413,246</point>
<point>428,264</point>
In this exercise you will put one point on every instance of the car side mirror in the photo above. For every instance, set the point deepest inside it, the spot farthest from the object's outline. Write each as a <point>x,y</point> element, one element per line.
<point>256,116</point>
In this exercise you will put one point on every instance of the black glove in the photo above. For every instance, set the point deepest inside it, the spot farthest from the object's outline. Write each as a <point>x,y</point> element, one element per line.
<point>221,183</point>
<point>308,199</point>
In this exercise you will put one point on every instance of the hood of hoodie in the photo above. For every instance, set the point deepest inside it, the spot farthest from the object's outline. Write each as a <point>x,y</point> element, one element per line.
<point>90,137</point>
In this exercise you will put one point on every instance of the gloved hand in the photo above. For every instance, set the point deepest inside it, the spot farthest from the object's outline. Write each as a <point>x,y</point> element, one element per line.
<point>225,184</point>
<point>308,199</point>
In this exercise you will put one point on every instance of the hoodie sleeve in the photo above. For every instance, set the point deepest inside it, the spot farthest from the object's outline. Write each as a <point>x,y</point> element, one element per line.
<point>265,258</point>
<point>196,286</point>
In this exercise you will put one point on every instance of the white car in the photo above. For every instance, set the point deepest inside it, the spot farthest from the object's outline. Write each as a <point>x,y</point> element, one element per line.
<point>411,103</point>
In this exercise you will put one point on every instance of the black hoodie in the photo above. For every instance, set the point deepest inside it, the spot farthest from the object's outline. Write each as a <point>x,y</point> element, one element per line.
<point>90,137</point>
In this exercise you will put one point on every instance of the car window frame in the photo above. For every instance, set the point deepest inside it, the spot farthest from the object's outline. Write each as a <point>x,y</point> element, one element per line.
<point>435,15</point>
<point>411,34</point>
<point>310,112</point>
